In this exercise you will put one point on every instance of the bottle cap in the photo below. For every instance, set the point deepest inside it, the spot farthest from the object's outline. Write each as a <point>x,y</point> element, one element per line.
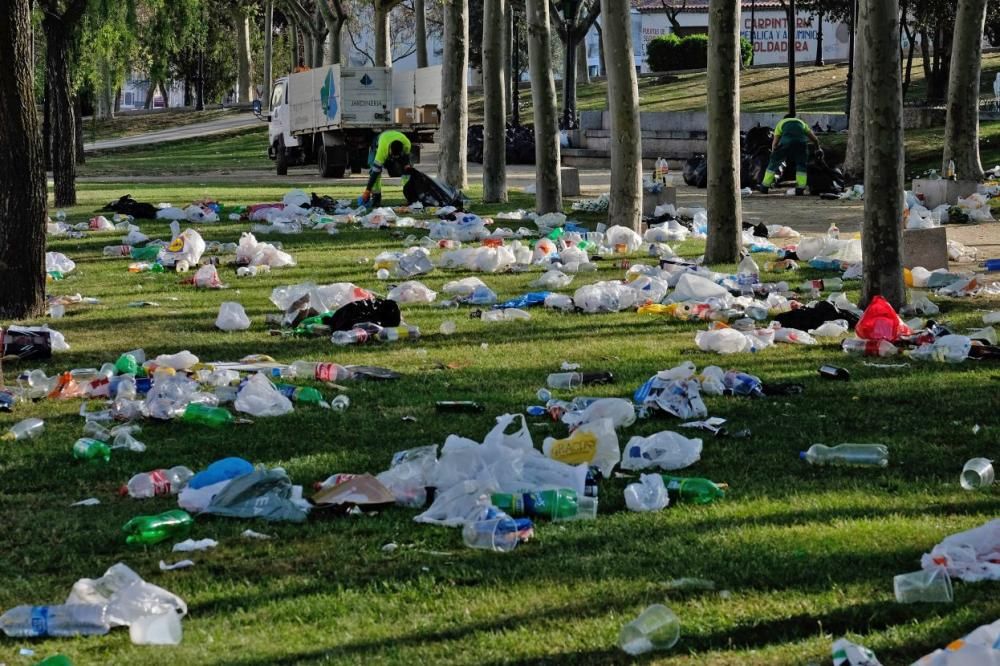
<point>802,454</point>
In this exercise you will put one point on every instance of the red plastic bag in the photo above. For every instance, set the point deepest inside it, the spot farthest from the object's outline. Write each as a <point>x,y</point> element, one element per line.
<point>880,322</point>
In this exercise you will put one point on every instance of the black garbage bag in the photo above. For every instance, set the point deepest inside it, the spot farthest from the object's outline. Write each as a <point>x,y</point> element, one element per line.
<point>126,205</point>
<point>824,179</point>
<point>806,318</point>
<point>430,191</point>
<point>696,171</point>
<point>377,310</point>
<point>326,202</point>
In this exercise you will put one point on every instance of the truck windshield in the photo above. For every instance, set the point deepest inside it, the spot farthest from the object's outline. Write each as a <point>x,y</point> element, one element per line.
<point>277,97</point>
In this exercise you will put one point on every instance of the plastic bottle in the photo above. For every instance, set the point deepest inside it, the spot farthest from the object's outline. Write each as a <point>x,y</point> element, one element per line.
<point>556,505</point>
<point>867,455</point>
<point>148,530</point>
<point>833,372</point>
<point>214,417</point>
<point>303,394</point>
<point>61,620</point>
<point>26,429</point>
<point>91,450</point>
<point>148,253</point>
<point>117,250</point>
<point>833,231</point>
<point>355,336</point>
<point>220,470</point>
<point>158,482</point>
<point>950,172</point>
<point>323,372</point>
<point>505,314</point>
<point>402,332</point>
<point>692,489</point>
<point>869,347</point>
<point>830,284</point>
<point>566,380</point>
<point>741,383</point>
<point>747,275</point>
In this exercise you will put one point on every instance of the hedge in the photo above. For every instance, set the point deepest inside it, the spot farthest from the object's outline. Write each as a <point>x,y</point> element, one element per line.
<point>672,53</point>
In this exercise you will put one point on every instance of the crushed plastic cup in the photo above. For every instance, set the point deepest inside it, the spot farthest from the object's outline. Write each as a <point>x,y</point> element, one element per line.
<point>977,474</point>
<point>447,327</point>
<point>499,534</point>
<point>159,629</point>
<point>656,628</point>
<point>926,585</point>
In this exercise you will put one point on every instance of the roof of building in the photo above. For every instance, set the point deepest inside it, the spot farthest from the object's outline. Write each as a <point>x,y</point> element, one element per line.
<point>700,6</point>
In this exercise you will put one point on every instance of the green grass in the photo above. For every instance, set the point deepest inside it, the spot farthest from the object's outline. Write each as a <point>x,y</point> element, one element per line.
<point>807,554</point>
<point>130,124</point>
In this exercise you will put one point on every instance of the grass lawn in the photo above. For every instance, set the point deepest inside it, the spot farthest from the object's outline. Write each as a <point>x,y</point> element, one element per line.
<point>130,124</point>
<point>806,554</point>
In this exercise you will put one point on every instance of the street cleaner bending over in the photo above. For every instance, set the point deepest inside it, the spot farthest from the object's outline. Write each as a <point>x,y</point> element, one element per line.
<point>791,140</point>
<point>390,152</point>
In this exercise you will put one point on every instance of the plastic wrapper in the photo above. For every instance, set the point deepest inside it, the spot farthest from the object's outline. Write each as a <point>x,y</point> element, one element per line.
<point>266,494</point>
<point>259,397</point>
<point>664,450</point>
<point>232,317</point>
<point>650,494</point>
<point>592,443</point>
<point>411,292</point>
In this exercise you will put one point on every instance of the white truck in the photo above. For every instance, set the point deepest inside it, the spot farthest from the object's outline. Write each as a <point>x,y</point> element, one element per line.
<point>330,116</point>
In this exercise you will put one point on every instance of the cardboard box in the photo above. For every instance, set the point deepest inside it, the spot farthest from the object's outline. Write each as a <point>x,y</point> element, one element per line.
<point>403,116</point>
<point>429,114</point>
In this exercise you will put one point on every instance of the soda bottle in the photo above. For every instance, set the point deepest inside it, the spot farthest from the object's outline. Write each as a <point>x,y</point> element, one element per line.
<point>867,455</point>
<point>950,172</point>
<point>214,417</point>
<point>869,347</point>
<point>355,336</point>
<point>91,450</point>
<point>834,372</point>
<point>26,429</point>
<point>303,394</point>
<point>747,275</point>
<point>741,383</point>
<point>831,284</point>
<point>692,489</point>
<point>403,332</point>
<point>312,326</point>
<point>148,253</point>
<point>323,372</point>
<point>158,482</point>
<point>148,530</point>
<point>568,380</point>
<point>117,250</point>
<point>58,621</point>
<point>555,505</point>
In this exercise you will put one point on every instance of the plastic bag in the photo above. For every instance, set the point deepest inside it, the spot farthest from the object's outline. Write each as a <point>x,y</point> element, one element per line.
<point>266,494</point>
<point>452,507</point>
<point>126,595</point>
<point>182,360</point>
<point>593,443</point>
<point>259,397</point>
<point>793,336</point>
<point>552,279</point>
<point>296,198</point>
<point>232,317</point>
<point>620,411</point>
<point>665,450</point>
<point>605,297</point>
<point>691,287</point>
<point>972,555</point>
<point>58,262</point>
<point>409,475</point>
<point>519,439</point>
<point>830,329</point>
<point>880,322</point>
<point>411,292</point>
<point>207,277</point>
<point>187,246</point>
<point>650,494</point>
<point>619,235</point>
<point>722,341</point>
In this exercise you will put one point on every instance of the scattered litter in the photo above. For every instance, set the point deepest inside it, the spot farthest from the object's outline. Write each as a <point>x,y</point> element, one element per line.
<point>182,564</point>
<point>190,545</point>
<point>90,501</point>
<point>250,534</point>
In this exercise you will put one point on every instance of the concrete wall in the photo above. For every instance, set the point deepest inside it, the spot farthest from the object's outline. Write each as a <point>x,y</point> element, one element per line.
<point>697,121</point>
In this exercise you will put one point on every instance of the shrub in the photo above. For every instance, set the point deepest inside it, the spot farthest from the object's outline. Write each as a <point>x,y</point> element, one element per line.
<point>672,53</point>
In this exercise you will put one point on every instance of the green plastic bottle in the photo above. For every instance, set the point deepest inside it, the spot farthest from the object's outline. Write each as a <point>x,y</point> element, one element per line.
<point>91,450</point>
<point>303,394</point>
<point>127,365</point>
<point>56,660</point>
<point>555,505</point>
<point>148,253</point>
<point>312,326</point>
<point>146,530</point>
<point>556,234</point>
<point>214,417</point>
<point>692,489</point>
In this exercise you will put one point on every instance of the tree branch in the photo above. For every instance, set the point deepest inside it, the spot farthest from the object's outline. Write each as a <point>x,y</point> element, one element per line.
<point>557,18</point>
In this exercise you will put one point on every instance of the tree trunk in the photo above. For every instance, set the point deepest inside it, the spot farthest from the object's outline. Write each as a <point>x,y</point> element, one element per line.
<point>961,130</point>
<point>81,158</point>
<point>882,262</point>
<point>925,54</point>
<point>626,140</point>
<point>57,39</point>
<point>602,64</point>
<point>582,67</point>
<point>790,14</point>
<point>46,129</point>
<point>165,90</point>
<point>22,205</point>
<point>118,99</point>
<point>908,71</point>
<point>383,42</point>
<point>454,94</point>
<point>305,38</point>
<point>494,106</point>
<point>107,91</point>
<point>293,34</point>
<point>569,83</point>
<point>187,92</point>
<point>508,41</point>
<point>268,50</point>
<point>548,178</point>
<point>150,93</point>
<point>244,66</point>
<point>819,39</point>
<point>854,159</point>
<point>725,222</point>
<point>420,32</point>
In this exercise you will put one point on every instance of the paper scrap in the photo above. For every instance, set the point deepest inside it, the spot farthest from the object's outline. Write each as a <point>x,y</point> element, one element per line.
<point>183,564</point>
<point>190,545</point>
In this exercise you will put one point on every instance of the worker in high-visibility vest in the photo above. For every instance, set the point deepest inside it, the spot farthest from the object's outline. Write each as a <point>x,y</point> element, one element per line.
<point>791,141</point>
<point>390,152</point>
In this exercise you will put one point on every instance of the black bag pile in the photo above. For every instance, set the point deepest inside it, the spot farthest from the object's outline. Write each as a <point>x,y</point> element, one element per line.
<point>520,142</point>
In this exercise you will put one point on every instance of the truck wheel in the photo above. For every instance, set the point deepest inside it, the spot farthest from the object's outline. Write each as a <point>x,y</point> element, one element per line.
<point>281,157</point>
<point>330,161</point>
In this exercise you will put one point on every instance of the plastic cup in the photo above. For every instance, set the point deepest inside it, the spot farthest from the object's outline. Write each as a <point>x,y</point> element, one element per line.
<point>978,473</point>
<point>498,534</point>
<point>447,327</point>
<point>656,628</point>
<point>160,629</point>
<point>926,585</point>
<point>57,310</point>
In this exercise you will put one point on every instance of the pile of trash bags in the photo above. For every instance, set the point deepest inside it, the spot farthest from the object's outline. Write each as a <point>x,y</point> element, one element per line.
<point>520,141</point>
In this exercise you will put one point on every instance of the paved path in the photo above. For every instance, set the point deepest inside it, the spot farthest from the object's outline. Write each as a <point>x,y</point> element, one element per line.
<point>238,120</point>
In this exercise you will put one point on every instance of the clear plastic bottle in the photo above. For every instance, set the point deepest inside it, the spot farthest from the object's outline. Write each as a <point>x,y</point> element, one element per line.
<point>323,372</point>
<point>950,173</point>
<point>869,347</point>
<point>747,275</point>
<point>61,620</point>
<point>158,482</point>
<point>865,455</point>
<point>401,332</point>
<point>26,429</point>
<point>355,336</point>
<point>833,231</point>
<point>505,314</point>
<point>830,284</point>
<point>566,380</point>
<point>117,250</point>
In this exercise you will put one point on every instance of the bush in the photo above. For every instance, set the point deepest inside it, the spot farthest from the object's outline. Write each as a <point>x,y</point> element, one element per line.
<point>672,53</point>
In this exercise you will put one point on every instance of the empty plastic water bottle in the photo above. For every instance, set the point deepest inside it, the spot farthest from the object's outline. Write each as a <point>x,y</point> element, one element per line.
<point>158,482</point>
<point>355,336</point>
<point>869,347</point>
<point>568,380</point>
<point>866,455</point>
<point>747,275</point>
<point>58,621</point>
<point>26,429</point>
<point>323,372</point>
<point>505,314</point>
<point>91,450</point>
<point>830,284</point>
<point>154,529</point>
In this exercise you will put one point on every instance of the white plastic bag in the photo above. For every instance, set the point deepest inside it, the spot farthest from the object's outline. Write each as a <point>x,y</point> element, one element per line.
<point>259,397</point>
<point>619,235</point>
<point>691,287</point>
<point>665,450</point>
<point>830,329</point>
<point>620,411</point>
<point>552,279</point>
<point>182,360</point>
<point>519,439</point>
<point>232,317</point>
<point>187,246</point>
<point>594,443</point>
<point>722,341</point>
<point>207,277</point>
<point>650,494</point>
<point>411,291</point>
<point>57,261</point>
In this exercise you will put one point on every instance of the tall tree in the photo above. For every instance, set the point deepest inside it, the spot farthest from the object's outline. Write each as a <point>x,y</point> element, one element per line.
<point>854,160</point>
<point>420,35</point>
<point>582,66</point>
<point>454,94</point>
<point>303,15</point>
<point>244,63</point>
<point>572,20</point>
<point>494,106</point>
<point>673,9</point>
<point>790,18</point>
<point>882,268</point>
<point>60,21</point>
<point>724,206</point>
<point>268,50</point>
<point>623,95</point>
<point>334,14</point>
<point>961,132</point>
<point>383,38</point>
<point>22,200</point>
<point>548,178</point>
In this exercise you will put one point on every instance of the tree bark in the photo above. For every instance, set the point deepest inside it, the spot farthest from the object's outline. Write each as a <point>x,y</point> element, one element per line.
<point>625,206</point>
<point>268,50</point>
<point>150,93</point>
<point>569,83</point>
<point>420,32</point>
<point>790,14</point>
<point>819,39</point>
<point>81,158</point>
<point>166,93</point>
<point>494,105</point>
<point>882,266</point>
<point>548,178</point>
<point>961,130</point>
<point>47,130</point>
<point>244,65</point>
<point>333,19</point>
<point>293,34</point>
<point>454,94</point>
<point>57,39</point>
<point>725,221</point>
<point>508,42</point>
<point>582,67</point>
<point>854,159</point>
<point>22,204</point>
<point>602,63</point>
<point>383,42</point>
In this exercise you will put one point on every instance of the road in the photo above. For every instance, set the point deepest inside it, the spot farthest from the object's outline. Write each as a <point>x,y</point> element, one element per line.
<point>235,122</point>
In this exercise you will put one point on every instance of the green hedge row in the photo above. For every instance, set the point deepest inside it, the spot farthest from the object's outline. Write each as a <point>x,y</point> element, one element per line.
<point>671,53</point>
